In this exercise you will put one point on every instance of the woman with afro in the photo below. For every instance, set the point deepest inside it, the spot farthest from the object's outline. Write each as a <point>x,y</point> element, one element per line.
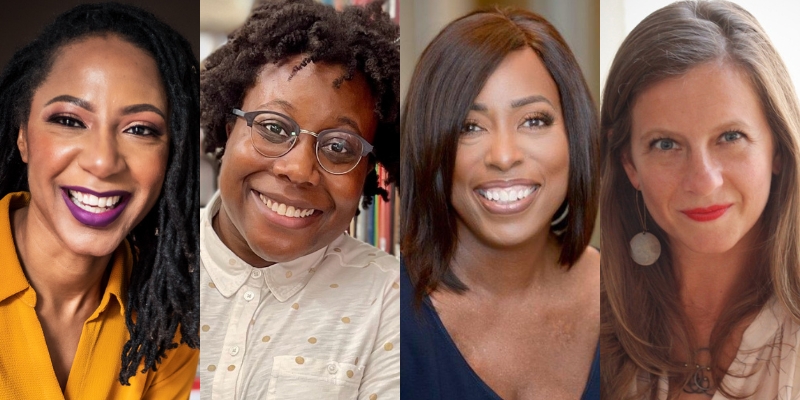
<point>299,106</point>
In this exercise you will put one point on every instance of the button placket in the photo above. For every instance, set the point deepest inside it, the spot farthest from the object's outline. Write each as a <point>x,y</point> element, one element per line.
<point>234,344</point>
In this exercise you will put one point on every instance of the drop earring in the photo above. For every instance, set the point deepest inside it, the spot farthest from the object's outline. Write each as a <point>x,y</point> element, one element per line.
<point>645,247</point>
<point>559,224</point>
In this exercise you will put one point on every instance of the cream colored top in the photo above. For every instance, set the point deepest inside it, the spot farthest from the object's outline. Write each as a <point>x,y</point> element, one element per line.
<point>324,326</point>
<point>766,366</point>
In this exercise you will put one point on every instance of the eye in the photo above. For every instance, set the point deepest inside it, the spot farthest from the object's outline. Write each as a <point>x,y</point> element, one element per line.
<point>142,130</point>
<point>471,127</point>
<point>67,121</point>
<point>538,120</point>
<point>663,144</point>
<point>732,136</point>
<point>275,129</point>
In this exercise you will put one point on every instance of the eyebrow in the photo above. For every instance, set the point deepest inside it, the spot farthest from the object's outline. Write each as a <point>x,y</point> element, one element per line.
<point>136,108</point>
<point>289,107</point>
<point>349,122</point>
<point>65,98</point>
<point>515,103</point>
<point>132,109</point>
<point>283,103</point>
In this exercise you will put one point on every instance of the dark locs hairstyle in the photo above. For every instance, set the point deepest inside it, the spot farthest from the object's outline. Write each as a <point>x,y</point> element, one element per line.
<point>163,289</point>
<point>449,76</point>
<point>361,39</point>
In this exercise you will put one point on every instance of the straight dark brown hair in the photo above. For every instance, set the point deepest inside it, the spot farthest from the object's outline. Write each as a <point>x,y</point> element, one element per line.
<point>449,76</point>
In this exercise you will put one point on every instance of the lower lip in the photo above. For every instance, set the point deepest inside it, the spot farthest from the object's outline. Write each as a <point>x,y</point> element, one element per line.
<point>707,216</point>
<point>510,207</point>
<point>282,220</point>
<point>91,219</point>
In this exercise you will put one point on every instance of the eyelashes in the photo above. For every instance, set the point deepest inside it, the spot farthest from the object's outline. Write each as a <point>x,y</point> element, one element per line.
<point>667,144</point>
<point>532,121</point>
<point>73,122</point>
<point>538,120</point>
<point>68,121</point>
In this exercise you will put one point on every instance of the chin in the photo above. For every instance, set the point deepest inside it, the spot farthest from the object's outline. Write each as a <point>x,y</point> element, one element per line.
<point>96,248</point>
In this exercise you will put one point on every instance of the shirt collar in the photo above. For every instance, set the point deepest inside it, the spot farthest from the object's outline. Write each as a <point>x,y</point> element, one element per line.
<point>229,272</point>
<point>14,277</point>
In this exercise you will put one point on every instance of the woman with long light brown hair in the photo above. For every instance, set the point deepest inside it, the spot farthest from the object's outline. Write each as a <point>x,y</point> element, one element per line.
<point>700,292</point>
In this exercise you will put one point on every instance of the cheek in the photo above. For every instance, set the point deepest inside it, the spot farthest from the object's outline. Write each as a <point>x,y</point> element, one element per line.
<point>46,157</point>
<point>346,190</point>
<point>149,167</point>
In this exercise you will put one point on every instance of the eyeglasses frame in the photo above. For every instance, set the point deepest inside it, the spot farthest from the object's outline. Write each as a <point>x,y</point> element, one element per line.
<point>250,117</point>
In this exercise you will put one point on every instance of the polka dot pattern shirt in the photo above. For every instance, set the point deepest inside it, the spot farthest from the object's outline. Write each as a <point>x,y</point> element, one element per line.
<point>324,326</point>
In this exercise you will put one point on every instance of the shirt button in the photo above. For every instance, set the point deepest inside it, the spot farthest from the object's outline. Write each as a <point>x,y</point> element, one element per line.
<point>248,295</point>
<point>332,368</point>
<point>256,274</point>
<point>234,350</point>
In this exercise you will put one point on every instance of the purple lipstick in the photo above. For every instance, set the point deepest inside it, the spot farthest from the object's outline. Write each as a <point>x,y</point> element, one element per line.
<point>95,215</point>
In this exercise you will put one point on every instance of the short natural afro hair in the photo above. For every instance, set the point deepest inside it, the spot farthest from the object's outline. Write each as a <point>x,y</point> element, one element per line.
<point>361,39</point>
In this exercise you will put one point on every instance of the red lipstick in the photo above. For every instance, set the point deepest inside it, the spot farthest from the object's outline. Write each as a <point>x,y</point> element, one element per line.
<point>704,214</point>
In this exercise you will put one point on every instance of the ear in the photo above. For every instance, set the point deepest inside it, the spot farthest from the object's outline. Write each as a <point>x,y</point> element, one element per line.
<point>777,163</point>
<point>22,144</point>
<point>630,169</point>
<point>228,129</point>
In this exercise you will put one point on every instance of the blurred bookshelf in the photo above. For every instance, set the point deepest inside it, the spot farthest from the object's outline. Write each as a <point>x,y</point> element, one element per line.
<point>378,224</point>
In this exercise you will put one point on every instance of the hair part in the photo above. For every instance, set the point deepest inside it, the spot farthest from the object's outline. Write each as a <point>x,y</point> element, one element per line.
<point>363,40</point>
<point>165,244</point>
<point>449,76</point>
<point>642,317</point>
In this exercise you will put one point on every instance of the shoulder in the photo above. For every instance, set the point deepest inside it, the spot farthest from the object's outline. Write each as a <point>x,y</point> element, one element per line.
<point>352,253</point>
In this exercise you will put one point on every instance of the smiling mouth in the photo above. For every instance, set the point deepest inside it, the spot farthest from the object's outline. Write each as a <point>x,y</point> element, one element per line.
<point>284,209</point>
<point>507,195</point>
<point>94,204</point>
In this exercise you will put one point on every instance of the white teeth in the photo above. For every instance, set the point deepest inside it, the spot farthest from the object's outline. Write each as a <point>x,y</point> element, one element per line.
<point>509,194</point>
<point>92,203</point>
<point>284,210</point>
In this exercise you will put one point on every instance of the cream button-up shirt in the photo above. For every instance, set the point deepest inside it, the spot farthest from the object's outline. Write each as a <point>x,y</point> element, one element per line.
<point>324,326</point>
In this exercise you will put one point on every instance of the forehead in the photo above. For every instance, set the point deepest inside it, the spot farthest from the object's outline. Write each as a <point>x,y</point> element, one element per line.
<point>309,96</point>
<point>699,100</point>
<point>521,73</point>
<point>96,66</point>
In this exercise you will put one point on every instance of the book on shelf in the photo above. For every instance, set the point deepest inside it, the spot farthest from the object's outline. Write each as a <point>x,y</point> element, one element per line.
<point>376,224</point>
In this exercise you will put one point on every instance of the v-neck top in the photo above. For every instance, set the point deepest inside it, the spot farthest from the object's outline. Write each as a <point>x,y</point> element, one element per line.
<point>766,364</point>
<point>26,371</point>
<point>433,368</point>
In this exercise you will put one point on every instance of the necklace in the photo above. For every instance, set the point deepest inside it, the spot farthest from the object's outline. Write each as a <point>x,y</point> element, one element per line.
<point>700,381</point>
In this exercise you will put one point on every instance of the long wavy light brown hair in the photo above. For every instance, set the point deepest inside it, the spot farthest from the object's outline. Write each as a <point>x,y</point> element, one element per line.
<point>642,318</point>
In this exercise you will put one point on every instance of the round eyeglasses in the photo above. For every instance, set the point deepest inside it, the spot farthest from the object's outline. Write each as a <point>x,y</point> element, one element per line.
<point>274,134</point>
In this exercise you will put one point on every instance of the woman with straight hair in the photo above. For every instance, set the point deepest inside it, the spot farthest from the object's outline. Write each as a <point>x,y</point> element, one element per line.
<point>499,291</point>
<point>700,211</point>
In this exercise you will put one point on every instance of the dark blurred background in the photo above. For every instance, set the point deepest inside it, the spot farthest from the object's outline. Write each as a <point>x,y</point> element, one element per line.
<point>21,21</point>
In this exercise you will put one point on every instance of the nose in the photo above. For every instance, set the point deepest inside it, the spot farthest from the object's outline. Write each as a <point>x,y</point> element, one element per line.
<point>704,173</point>
<point>299,165</point>
<point>101,155</point>
<point>504,152</point>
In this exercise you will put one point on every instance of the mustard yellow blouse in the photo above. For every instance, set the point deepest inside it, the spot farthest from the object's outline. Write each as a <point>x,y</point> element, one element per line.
<point>25,368</point>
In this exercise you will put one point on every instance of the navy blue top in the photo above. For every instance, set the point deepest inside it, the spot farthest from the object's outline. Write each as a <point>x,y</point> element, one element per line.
<point>432,368</point>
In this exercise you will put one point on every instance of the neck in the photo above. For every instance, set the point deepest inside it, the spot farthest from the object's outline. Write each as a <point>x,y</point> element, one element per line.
<point>66,282</point>
<point>507,270</point>
<point>709,283</point>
